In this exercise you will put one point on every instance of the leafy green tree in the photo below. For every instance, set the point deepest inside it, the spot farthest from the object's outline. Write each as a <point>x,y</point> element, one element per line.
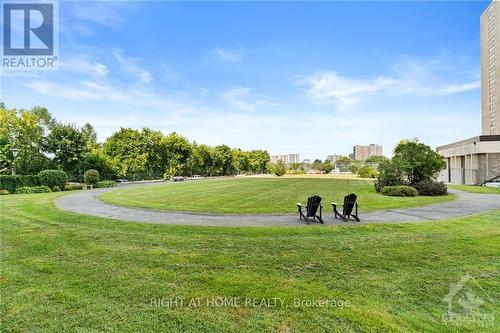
<point>259,160</point>
<point>177,150</point>
<point>278,169</point>
<point>418,161</point>
<point>390,174</point>
<point>24,130</point>
<point>376,159</point>
<point>343,163</point>
<point>97,159</point>
<point>127,152</point>
<point>367,172</point>
<point>327,166</point>
<point>89,136</point>
<point>206,155</point>
<point>317,165</point>
<point>240,161</point>
<point>222,160</point>
<point>68,145</point>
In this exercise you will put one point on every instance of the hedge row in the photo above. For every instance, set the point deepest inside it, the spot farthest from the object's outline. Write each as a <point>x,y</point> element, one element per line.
<point>12,182</point>
<point>33,189</point>
<point>49,178</point>
<point>105,183</point>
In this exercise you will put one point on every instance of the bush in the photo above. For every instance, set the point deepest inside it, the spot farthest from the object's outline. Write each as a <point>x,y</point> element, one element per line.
<point>33,189</point>
<point>105,183</point>
<point>430,187</point>
<point>91,177</point>
<point>53,178</point>
<point>56,189</point>
<point>12,182</point>
<point>73,187</point>
<point>367,172</point>
<point>399,191</point>
<point>278,169</point>
<point>390,174</point>
<point>4,192</point>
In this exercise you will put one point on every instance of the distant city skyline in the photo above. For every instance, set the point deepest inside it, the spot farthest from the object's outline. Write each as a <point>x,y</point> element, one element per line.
<point>308,78</point>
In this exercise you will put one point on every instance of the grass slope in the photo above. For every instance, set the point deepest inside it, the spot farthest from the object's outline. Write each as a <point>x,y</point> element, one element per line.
<point>257,195</point>
<point>476,189</point>
<point>67,273</point>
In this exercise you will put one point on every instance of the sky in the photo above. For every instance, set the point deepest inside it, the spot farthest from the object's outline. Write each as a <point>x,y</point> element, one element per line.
<point>313,78</point>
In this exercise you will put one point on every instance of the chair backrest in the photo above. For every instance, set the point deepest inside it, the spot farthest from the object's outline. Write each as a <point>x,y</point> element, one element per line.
<point>349,202</point>
<point>313,205</point>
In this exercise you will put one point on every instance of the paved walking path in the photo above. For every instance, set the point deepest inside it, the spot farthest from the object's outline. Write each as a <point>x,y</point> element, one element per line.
<point>86,202</point>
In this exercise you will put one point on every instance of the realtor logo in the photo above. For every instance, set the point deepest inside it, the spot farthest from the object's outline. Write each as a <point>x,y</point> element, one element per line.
<point>29,35</point>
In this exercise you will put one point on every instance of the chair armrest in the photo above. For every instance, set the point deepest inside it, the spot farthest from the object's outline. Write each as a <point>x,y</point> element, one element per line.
<point>299,204</point>
<point>335,204</point>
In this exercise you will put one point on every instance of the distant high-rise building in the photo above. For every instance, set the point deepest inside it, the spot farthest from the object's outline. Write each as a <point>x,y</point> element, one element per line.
<point>361,153</point>
<point>490,74</point>
<point>333,158</point>
<point>287,159</point>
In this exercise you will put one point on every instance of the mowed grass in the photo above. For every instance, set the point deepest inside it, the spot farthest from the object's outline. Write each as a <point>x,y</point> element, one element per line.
<point>476,189</point>
<point>258,195</point>
<point>65,272</point>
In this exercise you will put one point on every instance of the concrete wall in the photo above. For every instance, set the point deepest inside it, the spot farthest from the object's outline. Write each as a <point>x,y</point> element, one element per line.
<point>489,166</point>
<point>470,169</point>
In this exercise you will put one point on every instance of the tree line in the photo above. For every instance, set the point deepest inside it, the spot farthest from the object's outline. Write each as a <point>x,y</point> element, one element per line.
<point>44,143</point>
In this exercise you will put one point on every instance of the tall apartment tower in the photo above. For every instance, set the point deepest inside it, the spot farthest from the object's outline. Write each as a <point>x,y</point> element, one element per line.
<point>361,153</point>
<point>490,69</point>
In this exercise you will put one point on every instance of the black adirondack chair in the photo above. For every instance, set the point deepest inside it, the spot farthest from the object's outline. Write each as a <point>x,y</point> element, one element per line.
<point>349,205</point>
<point>313,203</point>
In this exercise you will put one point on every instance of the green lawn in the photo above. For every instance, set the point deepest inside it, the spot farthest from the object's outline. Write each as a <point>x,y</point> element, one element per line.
<point>71,273</point>
<point>257,195</point>
<point>476,189</point>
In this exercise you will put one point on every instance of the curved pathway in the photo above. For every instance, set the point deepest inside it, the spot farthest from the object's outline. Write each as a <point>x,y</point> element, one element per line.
<point>86,202</point>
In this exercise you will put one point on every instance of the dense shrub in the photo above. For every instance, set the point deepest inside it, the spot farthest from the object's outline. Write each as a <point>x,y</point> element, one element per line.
<point>53,178</point>
<point>399,191</point>
<point>91,177</point>
<point>390,174</point>
<point>73,187</point>
<point>430,187</point>
<point>33,189</point>
<point>56,189</point>
<point>105,183</point>
<point>367,172</point>
<point>4,192</point>
<point>11,182</point>
<point>278,169</point>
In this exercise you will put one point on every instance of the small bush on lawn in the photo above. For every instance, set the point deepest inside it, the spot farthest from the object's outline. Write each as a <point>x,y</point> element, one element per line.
<point>399,191</point>
<point>4,192</point>
<point>56,189</point>
<point>73,187</point>
<point>367,172</point>
<point>91,177</point>
<point>53,178</point>
<point>105,183</point>
<point>33,189</point>
<point>432,188</point>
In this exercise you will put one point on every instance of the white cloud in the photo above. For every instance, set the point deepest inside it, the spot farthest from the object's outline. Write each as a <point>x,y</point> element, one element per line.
<point>81,64</point>
<point>130,65</point>
<point>329,87</point>
<point>229,54</point>
<point>243,99</point>
<point>410,77</point>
